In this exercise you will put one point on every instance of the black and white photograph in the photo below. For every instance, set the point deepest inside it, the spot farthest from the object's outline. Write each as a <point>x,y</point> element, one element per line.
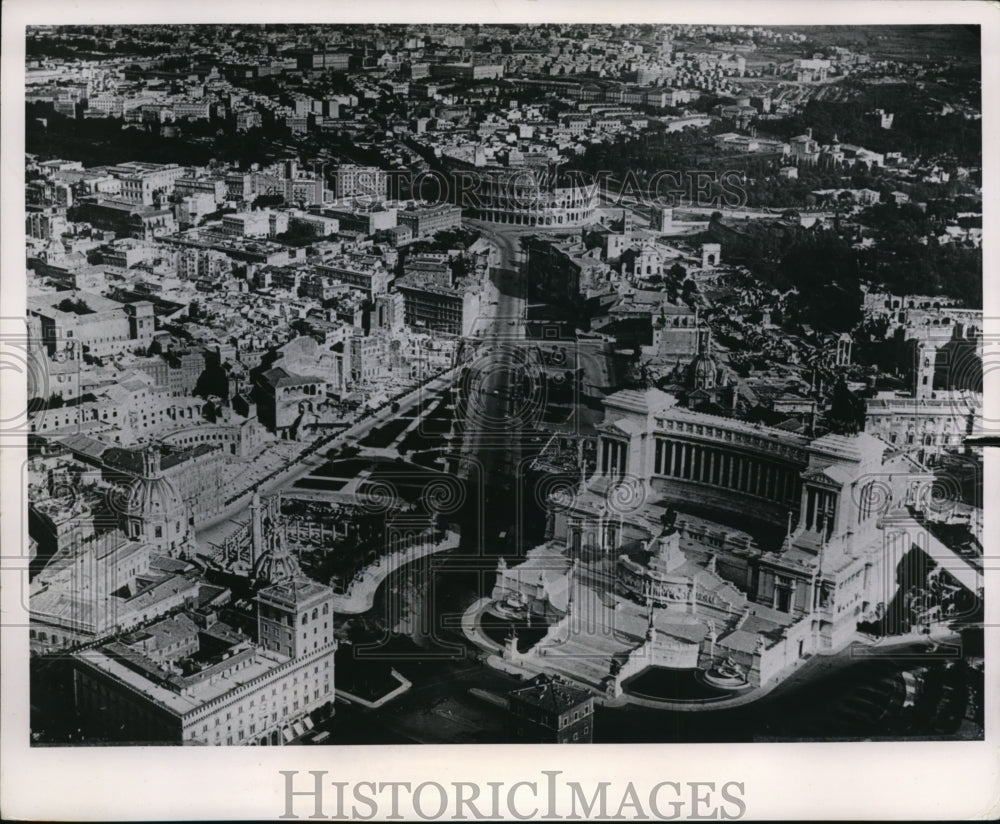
<point>498,383</point>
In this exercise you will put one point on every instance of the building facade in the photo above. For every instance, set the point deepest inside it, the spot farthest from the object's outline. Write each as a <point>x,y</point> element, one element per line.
<point>217,687</point>
<point>549,710</point>
<point>447,309</point>
<point>143,184</point>
<point>101,325</point>
<point>525,197</point>
<point>425,221</point>
<point>674,542</point>
<point>252,697</point>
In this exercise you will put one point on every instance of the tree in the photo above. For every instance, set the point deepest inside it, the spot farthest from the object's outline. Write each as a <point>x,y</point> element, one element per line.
<point>75,305</point>
<point>689,292</point>
<point>847,411</point>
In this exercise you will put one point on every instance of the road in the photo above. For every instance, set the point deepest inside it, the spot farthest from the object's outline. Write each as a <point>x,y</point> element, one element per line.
<point>499,358</point>
<point>501,385</point>
<point>507,380</point>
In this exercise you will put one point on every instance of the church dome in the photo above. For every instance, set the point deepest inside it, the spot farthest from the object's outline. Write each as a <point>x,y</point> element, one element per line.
<point>275,567</point>
<point>154,510</point>
<point>702,371</point>
<point>276,564</point>
<point>153,499</point>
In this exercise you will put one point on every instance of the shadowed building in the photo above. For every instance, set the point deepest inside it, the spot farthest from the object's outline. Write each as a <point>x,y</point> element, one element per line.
<point>549,710</point>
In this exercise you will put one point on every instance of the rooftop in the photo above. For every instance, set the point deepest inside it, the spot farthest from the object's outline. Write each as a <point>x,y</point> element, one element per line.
<point>551,694</point>
<point>294,592</point>
<point>173,692</point>
<point>165,632</point>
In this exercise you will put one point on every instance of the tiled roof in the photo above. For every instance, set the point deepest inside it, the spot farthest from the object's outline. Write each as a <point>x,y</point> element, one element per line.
<point>551,694</point>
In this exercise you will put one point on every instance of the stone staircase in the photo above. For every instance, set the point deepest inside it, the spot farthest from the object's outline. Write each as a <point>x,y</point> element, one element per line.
<point>580,659</point>
<point>583,645</point>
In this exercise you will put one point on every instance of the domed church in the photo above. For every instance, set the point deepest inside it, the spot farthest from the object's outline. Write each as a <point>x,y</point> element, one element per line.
<point>155,513</point>
<point>273,562</point>
<point>708,382</point>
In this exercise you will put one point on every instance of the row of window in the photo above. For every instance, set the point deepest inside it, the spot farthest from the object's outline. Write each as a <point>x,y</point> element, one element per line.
<point>315,614</point>
<point>564,720</point>
<point>44,638</point>
<point>252,727</point>
<point>284,687</point>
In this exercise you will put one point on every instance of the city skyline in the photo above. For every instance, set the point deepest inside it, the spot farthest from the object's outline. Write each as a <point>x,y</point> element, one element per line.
<point>520,381</point>
<point>544,301</point>
<point>485,383</point>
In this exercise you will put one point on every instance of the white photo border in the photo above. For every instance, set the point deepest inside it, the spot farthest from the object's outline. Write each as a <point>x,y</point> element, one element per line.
<point>892,781</point>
